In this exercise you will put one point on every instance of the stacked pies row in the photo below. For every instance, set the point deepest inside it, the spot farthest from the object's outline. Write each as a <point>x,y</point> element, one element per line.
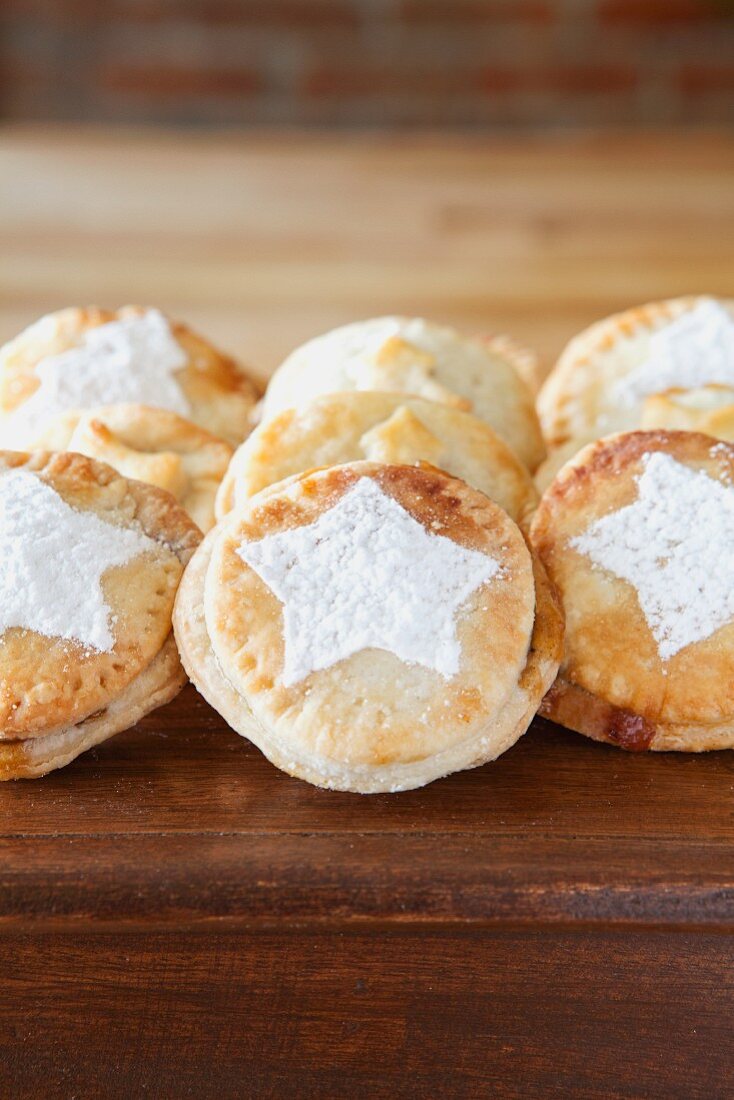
<point>367,609</point>
<point>636,526</point>
<point>115,432</point>
<point>357,572</point>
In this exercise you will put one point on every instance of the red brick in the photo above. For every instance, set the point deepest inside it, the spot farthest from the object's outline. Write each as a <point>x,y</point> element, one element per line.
<point>695,80</point>
<point>51,11</point>
<point>567,79</point>
<point>449,12</point>
<point>498,81</point>
<point>584,79</point>
<point>18,74</point>
<point>170,82</point>
<point>338,14</point>
<point>657,13</point>
<point>366,81</point>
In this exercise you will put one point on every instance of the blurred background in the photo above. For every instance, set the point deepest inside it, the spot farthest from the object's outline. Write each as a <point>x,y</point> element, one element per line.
<point>268,169</point>
<point>506,64</point>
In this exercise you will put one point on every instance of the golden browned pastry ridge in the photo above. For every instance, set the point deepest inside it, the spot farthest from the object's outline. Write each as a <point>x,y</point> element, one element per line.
<point>151,445</point>
<point>607,373</point>
<point>707,409</point>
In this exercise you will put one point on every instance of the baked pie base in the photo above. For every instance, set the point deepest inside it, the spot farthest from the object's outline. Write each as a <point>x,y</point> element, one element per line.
<point>570,706</point>
<point>577,400</point>
<point>57,695</point>
<point>151,445</point>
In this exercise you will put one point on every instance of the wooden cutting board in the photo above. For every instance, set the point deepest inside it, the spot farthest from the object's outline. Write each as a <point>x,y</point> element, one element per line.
<point>178,918</point>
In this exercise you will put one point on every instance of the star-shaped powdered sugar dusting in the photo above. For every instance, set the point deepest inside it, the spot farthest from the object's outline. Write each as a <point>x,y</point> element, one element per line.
<point>52,560</point>
<point>674,545</point>
<point>131,360</point>
<point>696,349</point>
<point>367,574</point>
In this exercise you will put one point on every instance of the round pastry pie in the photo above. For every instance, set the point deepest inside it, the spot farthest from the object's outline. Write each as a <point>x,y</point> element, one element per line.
<point>151,445</point>
<point>605,375</point>
<point>89,567</point>
<point>370,627</point>
<point>410,355</point>
<point>381,427</point>
<point>82,358</point>
<point>636,532</point>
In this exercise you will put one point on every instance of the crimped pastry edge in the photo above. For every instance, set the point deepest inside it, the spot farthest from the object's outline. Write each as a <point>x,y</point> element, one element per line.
<point>607,456</point>
<point>601,336</point>
<point>156,685</point>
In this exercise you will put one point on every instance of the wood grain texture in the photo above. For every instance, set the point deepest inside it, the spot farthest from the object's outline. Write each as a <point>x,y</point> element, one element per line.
<point>183,770</point>
<point>404,1013</point>
<point>179,918</point>
<point>182,820</point>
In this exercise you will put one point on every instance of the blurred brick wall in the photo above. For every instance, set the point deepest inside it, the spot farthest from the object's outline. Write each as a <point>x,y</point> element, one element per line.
<point>508,63</point>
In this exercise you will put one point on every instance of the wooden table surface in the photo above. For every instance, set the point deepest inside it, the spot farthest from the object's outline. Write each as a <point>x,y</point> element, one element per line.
<point>177,918</point>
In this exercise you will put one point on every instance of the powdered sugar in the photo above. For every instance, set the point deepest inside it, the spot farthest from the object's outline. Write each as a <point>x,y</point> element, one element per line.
<point>696,349</point>
<point>674,545</point>
<point>134,359</point>
<point>366,574</point>
<point>52,559</point>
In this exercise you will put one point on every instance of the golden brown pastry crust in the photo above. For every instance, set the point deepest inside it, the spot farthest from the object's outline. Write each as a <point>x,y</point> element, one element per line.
<point>707,409</point>
<point>575,401</point>
<point>551,466</point>
<point>383,427</point>
<point>50,682</point>
<point>244,621</point>
<point>525,361</point>
<point>611,659</point>
<point>156,685</point>
<point>324,729</point>
<point>413,356</point>
<point>151,445</point>
<point>204,670</point>
<point>221,394</point>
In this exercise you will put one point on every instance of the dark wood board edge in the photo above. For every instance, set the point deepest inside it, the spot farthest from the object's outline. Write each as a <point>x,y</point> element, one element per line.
<point>344,879</point>
<point>182,770</point>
